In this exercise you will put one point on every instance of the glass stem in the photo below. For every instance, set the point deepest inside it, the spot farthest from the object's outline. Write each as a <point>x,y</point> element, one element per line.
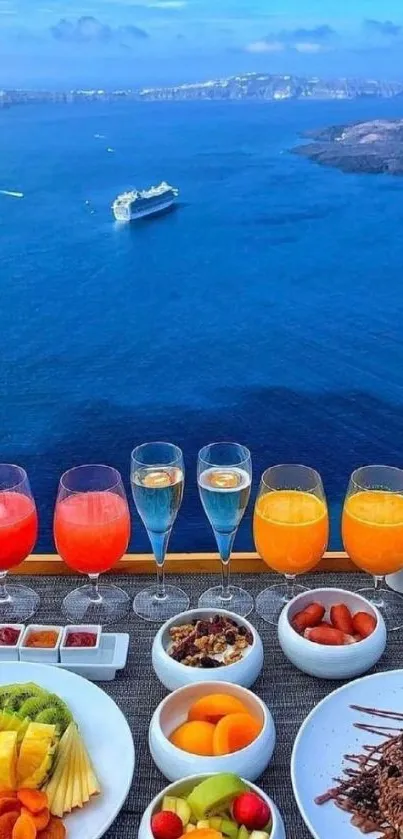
<point>94,592</point>
<point>225,542</point>
<point>225,580</point>
<point>4,595</point>
<point>159,544</point>
<point>378,583</point>
<point>290,584</point>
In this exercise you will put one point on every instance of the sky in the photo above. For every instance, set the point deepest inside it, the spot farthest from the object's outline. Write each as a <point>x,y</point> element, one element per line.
<point>131,43</point>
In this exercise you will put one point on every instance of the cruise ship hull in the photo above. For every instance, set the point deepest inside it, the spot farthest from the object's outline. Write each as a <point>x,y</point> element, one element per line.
<point>133,213</point>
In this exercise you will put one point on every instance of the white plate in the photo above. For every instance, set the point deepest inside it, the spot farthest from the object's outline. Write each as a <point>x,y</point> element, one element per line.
<point>327,734</point>
<point>106,735</point>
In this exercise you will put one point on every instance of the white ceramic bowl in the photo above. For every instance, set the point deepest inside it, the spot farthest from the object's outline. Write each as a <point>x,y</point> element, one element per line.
<point>176,764</point>
<point>331,662</point>
<point>10,652</point>
<point>174,675</point>
<point>185,787</point>
<point>81,655</point>
<point>41,655</point>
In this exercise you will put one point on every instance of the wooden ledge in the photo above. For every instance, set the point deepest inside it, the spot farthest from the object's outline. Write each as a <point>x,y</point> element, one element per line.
<point>180,563</point>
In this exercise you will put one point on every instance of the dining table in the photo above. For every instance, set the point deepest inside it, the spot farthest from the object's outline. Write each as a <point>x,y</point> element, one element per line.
<point>289,693</point>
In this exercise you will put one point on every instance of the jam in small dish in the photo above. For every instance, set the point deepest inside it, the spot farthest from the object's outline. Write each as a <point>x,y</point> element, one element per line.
<point>10,634</point>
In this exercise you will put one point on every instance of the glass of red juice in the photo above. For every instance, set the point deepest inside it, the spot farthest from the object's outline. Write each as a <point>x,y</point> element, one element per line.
<point>92,532</point>
<point>18,534</point>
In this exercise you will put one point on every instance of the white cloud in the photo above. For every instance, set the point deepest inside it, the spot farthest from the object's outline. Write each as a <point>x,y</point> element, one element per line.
<point>308,47</point>
<point>265,46</point>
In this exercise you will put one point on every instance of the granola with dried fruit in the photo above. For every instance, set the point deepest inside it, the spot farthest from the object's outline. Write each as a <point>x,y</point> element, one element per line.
<point>216,642</point>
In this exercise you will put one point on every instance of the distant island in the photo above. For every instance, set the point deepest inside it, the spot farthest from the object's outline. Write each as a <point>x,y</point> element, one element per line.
<point>257,87</point>
<point>373,147</point>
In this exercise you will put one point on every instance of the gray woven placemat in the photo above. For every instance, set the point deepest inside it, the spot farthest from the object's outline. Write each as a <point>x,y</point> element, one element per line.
<point>289,694</point>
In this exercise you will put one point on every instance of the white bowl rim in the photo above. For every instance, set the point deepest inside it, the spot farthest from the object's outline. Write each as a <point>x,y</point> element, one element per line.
<point>203,776</point>
<point>334,650</point>
<point>209,611</point>
<point>267,716</point>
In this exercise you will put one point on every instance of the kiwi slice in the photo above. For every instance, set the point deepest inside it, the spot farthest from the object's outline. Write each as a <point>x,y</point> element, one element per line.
<point>32,706</point>
<point>54,716</point>
<point>13,696</point>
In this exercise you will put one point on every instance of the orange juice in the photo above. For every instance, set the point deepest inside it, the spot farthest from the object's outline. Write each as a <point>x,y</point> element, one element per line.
<point>372,529</point>
<point>291,530</point>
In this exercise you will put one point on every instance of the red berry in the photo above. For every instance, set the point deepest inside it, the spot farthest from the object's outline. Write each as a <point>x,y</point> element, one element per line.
<point>166,825</point>
<point>248,809</point>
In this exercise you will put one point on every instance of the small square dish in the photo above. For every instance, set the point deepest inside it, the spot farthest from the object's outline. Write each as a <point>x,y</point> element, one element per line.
<point>10,638</point>
<point>41,643</point>
<point>80,643</point>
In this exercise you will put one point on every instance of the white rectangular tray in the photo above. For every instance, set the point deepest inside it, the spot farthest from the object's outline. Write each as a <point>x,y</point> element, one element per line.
<point>112,656</point>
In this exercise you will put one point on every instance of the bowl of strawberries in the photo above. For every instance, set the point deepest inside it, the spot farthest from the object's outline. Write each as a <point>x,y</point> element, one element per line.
<point>331,633</point>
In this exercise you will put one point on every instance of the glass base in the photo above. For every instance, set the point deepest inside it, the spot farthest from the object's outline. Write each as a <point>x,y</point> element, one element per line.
<point>80,607</point>
<point>239,601</point>
<point>22,602</point>
<point>149,607</point>
<point>270,602</point>
<point>389,603</point>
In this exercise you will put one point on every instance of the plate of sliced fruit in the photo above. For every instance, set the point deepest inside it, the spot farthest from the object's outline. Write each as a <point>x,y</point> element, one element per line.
<point>56,755</point>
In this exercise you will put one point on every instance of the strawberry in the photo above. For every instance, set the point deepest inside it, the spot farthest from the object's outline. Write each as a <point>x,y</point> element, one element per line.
<point>363,624</point>
<point>340,617</point>
<point>166,825</point>
<point>310,616</point>
<point>251,811</point>
<point>325,635</point>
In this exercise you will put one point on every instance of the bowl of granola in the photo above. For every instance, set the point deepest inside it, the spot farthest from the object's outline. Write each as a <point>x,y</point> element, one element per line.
<point>216,726</point>
<point>203,644</point>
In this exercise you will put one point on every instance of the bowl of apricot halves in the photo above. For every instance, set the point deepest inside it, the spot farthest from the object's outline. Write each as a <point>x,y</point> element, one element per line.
<point>212,727</point>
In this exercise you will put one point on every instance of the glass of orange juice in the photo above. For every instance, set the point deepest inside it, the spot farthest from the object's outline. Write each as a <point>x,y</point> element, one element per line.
<point>291,530</point>
<point>372,529</point>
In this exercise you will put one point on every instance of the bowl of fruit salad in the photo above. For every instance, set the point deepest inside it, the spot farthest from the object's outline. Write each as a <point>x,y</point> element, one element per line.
<point>202,644</point>
<point>221,806</point>
<point>331,633</point>
<point>222,727</point>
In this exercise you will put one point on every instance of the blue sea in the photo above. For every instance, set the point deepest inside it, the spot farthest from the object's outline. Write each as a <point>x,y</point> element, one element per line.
<point>267,308</point>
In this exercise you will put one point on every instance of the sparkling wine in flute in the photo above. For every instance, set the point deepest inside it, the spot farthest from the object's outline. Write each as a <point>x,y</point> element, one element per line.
<point>224,492</point>
<point>158,492</point>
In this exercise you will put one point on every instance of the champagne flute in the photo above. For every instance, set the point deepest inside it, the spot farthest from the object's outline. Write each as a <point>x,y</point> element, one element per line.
<point>92,532</point>
<point>224,475</point>
<point>157,479</point>
<point>291,531</point>
<point>372,529</point>
<point>18,534</point>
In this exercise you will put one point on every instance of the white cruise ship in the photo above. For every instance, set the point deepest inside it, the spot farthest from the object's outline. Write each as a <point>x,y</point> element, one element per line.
<point>146,202</point>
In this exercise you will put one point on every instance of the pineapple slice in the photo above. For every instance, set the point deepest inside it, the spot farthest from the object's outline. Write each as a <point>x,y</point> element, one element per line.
<point>91,778</point>
<point>82,770</point>
<point>36,755</point>
<point>77,798</point>
<point>10,722</point>
<point>56,787</point>
<point>73,781</point>
<point>8,759</point>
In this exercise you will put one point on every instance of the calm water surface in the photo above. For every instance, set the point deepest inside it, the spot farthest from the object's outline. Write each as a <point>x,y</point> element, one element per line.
<point>266,309</point>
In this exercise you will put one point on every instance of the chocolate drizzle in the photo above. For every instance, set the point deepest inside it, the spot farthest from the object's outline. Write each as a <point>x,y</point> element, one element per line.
<point>372,787</point>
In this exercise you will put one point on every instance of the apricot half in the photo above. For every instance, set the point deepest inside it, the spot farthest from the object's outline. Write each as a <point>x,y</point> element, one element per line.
<point>195,737</point>
<point>235,732</point>
<point>214,707</point>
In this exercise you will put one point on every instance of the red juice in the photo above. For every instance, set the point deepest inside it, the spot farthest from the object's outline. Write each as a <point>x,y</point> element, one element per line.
<point>18,528</point>
<point>92,530</point>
